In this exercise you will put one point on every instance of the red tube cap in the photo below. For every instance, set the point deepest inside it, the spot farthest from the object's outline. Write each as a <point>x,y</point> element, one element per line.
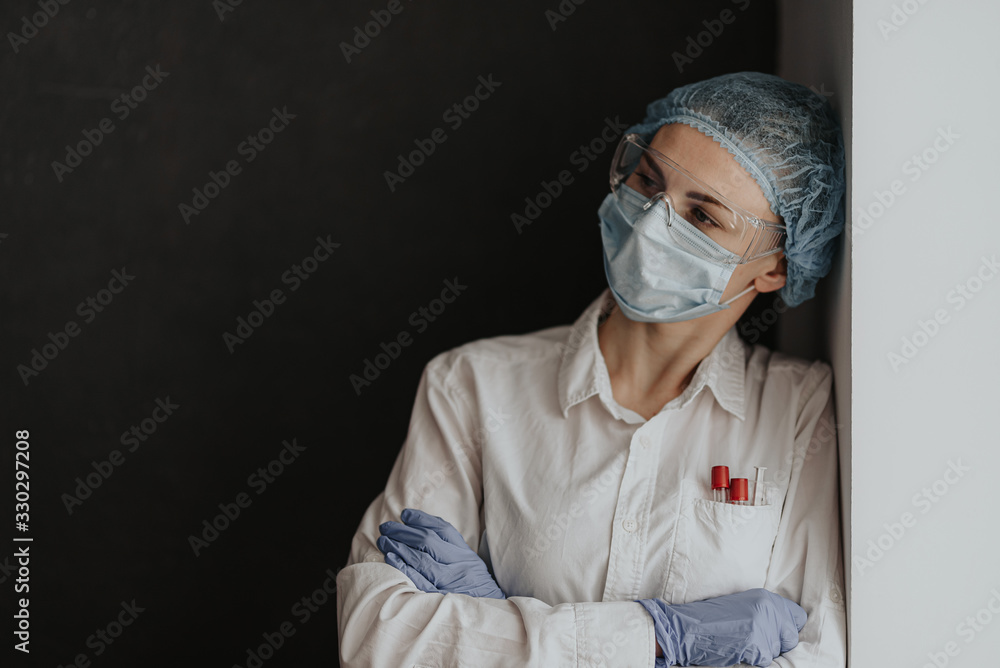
<point>739,489</point>
<point>720,477</point>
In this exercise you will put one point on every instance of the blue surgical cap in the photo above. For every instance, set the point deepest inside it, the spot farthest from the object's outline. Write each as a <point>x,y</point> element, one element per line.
<point>788,139</point>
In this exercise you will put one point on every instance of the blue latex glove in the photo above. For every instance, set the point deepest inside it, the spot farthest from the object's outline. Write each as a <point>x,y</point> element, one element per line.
<point>433,554</point>
<point>754,627</point>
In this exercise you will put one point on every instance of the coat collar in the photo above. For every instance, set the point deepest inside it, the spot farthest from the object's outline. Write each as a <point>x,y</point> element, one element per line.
<point>583,372</point>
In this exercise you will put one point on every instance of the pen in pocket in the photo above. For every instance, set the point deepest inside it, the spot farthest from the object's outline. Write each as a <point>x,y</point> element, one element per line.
<point>759,491</point>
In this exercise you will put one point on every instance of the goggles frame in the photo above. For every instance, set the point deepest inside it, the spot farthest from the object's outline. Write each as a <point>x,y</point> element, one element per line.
<point>767,236</point>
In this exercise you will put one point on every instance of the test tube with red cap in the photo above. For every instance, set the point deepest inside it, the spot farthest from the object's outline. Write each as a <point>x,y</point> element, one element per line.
<point>720,483</point>
<point>739,489</point>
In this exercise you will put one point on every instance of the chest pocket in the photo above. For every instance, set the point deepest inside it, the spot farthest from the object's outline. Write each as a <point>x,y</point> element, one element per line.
<point>719,548</point>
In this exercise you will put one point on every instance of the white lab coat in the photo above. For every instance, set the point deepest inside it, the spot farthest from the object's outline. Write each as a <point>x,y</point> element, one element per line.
<point>582,506</point>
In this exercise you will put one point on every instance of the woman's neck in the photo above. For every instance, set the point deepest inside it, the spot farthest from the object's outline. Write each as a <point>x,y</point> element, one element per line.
<point>651,364</point>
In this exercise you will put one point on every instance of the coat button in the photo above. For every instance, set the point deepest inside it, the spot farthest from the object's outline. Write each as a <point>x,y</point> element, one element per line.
<point>644,440</point>
<point>629,525</point>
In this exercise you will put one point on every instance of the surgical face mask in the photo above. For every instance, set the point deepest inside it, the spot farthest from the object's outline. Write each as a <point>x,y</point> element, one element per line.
<point>653,277</point>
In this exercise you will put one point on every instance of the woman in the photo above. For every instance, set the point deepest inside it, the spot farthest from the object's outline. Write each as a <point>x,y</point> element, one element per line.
<point>577,461</point>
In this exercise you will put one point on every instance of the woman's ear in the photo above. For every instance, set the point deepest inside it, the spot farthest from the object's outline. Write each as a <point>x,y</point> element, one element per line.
<point>773,278</point>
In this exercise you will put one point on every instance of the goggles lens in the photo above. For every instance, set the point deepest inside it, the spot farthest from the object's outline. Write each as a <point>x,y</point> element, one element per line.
<point>641,174</point>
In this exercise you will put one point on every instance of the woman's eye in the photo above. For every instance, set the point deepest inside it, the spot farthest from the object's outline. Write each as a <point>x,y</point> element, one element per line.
<point>647,182</point>
<point>703,217</point>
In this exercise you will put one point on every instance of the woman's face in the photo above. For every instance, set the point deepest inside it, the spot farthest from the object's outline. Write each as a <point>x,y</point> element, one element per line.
<point>712,164</point>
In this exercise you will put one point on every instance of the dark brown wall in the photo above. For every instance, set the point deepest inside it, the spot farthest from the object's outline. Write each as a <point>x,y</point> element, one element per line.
<point>322,176</point>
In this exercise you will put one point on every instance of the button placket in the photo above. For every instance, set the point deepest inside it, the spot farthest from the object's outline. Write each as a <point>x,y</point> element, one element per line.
<point>627,538</point>
<point>636,475</point>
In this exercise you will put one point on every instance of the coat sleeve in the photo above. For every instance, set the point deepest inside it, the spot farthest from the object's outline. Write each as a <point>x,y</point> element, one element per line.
<point>383,620</point>
<point>806,562</point>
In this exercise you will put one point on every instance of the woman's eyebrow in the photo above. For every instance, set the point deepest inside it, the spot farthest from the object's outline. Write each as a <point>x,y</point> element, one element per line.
<point>691,194</point>
<point>703,197</point>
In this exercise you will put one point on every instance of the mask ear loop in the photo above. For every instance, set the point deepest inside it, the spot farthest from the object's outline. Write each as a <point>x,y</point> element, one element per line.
<point>730,301</point>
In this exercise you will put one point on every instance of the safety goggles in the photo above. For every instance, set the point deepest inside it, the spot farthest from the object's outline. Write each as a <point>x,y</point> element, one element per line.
<point>698,216</point>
